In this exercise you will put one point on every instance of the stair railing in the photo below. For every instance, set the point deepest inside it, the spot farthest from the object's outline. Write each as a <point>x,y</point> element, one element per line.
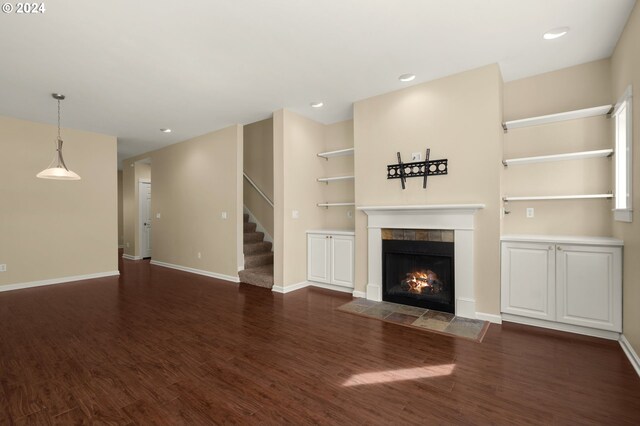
<point>258,189</point>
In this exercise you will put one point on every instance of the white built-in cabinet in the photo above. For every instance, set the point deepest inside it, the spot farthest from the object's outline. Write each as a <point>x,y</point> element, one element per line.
<point>330,257</point>
<point>566,280</point>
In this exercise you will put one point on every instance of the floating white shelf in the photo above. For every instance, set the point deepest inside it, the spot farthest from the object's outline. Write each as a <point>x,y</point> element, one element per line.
<point>335,204</point>
<point>558,157</point>
<point>335,178</point>
<point>558,197</point>
<point>338,153</point>
<point>554,118</point>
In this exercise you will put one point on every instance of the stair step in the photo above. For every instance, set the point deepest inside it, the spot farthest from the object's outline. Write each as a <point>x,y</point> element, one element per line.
<point>261,276</point>
<point>245,216</point>
<point>255,248</point>
<point>253,237</point>
<point>249,227</point>
<point>260,259</point>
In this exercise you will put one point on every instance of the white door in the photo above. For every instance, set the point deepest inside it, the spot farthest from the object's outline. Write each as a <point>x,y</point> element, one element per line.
<point>318,258</point>
<point>528,280</point>
<point>342,260</point>
<point>589,286</point>
<point>144,193</point>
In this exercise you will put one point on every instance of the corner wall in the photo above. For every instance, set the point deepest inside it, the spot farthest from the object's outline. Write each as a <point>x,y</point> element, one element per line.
<point>55,229</point>
<point>459,118</point>
<point>625,70</point>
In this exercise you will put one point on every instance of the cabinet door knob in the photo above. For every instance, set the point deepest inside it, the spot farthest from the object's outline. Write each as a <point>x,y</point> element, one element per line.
<point>550,247</point>
<point>559,248</point>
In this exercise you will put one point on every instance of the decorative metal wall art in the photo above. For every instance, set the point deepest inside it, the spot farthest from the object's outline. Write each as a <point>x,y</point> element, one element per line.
<point>425,169</point>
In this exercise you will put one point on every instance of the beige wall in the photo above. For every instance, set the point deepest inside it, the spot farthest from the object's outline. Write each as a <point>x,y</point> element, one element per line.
<point>258,165</point>
<point>582,86</point>
<point>625,65</point>
<point>338,136</point>
<point>54,229</point>
<point>120,218</point>
<point>458,117</point>
<point>193,183</point>
<point>297,140</point>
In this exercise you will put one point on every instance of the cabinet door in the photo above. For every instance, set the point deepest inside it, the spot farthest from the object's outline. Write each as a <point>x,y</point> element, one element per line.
<point>318,259</point>
<point>342,255</point>
<point>527,279</point>
<point>589,286</point>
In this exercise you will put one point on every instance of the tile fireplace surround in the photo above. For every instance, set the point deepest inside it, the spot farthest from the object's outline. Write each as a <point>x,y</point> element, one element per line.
<point>456,217</point>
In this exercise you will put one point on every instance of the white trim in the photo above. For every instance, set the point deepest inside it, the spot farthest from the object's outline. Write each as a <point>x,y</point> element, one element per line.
<point>496,319</point>
<point>559,157</point>
<point>259,227</point>
<point>554,118</point>
<point>558,197</point>
<point>196,271</point>
<point>564,239</point>
<point>624,214</point>
<point>141,219</point>
<point>62,280</point>
<point>333,287</point>
<point>338,153</point>
<point>611,335</point>
<point>631,353</point>
<point>335,204</point>
<point>335,178</point>
<point>130,257</point>
<point>421,209</point>
<point>290,288</point>
<point>359,294</point>
<point>331,232</point>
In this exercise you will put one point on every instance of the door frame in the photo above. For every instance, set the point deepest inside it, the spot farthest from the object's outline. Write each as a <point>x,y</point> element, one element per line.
<point>140,215</point>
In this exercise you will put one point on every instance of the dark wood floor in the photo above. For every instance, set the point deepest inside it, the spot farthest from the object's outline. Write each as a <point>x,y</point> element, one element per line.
<point>159,346</point>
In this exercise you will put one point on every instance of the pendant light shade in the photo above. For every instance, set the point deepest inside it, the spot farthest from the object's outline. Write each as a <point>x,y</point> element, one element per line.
<point>58,169</point>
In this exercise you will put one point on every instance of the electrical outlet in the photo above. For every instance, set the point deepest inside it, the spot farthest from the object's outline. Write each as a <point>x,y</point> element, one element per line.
<point>3,267</point>
<point>349,214</point>
<point>199,255</point>
<point>295,214</point>
<point>530,212</point>
<point>416,156</point>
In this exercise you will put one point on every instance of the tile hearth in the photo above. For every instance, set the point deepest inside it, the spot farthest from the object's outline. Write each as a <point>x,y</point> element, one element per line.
<point>419,318</point>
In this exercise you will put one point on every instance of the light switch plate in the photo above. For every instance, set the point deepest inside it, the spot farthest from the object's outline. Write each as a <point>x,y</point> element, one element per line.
<point>295,214</point>
<point>224,215</point>
<point>157,215</point>
<point>530,212</point>
<point>3,267</point>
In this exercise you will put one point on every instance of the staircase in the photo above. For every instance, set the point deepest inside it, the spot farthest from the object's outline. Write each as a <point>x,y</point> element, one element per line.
<point>258,257</point>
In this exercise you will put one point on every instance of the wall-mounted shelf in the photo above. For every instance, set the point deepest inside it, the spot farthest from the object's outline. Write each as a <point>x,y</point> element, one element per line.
<point>559,197</point>
<point>558,157</point>
<point>338,153</point>
<point>335,178</point>
<point>327,205</point>
<point>554,118</point>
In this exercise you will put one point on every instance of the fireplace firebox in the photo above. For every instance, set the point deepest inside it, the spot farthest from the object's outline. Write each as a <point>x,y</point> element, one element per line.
<point>419,273</point>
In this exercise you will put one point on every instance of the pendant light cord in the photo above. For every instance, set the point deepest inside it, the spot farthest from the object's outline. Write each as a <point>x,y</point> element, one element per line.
<point>58,119</point>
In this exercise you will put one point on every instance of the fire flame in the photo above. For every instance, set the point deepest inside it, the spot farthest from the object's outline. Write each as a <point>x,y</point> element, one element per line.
<point>423,282</point>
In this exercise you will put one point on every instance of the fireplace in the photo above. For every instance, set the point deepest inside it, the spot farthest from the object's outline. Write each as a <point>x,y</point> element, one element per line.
<point>418,268</point>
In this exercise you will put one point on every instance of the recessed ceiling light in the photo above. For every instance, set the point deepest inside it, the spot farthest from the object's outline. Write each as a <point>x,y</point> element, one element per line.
<point>555,33</point>
<point>317,104</point>
<point>165,130</point>
<point>407,77</point>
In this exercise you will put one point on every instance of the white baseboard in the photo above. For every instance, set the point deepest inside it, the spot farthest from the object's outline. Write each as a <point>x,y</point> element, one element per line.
<point>496,319</point>
<point>465,308</point>
<point>61,280</point>
<point>604,334</point>
<point>129,257</point>
<point>332,287</point>
<point>290,288</point>
<point>259,227</point>
<point>360,294</point>
<point>196,271</point>
<point>631,354</point>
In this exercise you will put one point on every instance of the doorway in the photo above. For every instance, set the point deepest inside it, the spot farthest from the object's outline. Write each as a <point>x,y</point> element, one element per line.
<point>144,194</point>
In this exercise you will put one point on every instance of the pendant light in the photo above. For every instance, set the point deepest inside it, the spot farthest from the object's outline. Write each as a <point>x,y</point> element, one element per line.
<point>57,169</point>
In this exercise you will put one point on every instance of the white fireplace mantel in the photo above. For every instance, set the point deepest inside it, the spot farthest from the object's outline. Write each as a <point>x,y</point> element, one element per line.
<point>458,217</point>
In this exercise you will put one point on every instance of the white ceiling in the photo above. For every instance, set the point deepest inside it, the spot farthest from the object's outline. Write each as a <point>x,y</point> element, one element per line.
<point>129,68</point>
